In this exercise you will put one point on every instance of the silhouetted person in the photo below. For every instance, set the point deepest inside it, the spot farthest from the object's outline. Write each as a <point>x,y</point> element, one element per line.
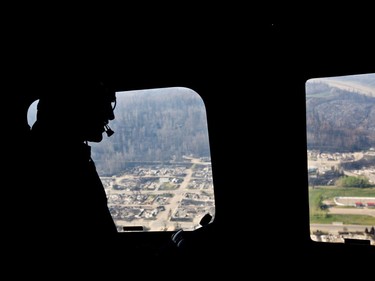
<point>67,203</point>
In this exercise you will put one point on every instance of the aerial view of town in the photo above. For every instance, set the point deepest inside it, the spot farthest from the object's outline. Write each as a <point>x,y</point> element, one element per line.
<point>338,213</point>
<point>157,197</point>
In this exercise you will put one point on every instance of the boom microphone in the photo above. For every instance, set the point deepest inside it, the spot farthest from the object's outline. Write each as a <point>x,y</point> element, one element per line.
<point>108,130</point>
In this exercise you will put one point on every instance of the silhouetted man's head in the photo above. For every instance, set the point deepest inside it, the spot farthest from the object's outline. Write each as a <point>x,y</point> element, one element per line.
<point>75,109</point>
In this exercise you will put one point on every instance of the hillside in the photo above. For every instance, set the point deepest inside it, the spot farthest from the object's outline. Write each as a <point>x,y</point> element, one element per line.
<point>157,125</point>
<point>340,113</point>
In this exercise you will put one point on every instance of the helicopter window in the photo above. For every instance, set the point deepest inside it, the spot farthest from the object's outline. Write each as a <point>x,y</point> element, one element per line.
<point>156,168</point>
<point>340,134</point>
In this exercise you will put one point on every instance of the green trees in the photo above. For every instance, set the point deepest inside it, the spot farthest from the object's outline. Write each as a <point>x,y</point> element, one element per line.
<point>351,181</point>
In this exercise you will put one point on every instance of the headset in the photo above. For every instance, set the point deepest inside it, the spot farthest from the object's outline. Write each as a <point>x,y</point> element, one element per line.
<point>108,130</point>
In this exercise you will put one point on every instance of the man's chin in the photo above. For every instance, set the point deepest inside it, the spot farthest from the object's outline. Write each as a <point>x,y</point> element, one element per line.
<point>95,138</point>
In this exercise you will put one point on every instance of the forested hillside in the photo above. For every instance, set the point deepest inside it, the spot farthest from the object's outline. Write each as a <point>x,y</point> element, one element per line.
<point>339,120</point>
<point>157,125</point>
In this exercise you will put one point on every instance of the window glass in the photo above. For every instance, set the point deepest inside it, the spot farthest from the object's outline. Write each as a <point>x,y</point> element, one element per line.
<point>156,167</point>
<point>340,131</point>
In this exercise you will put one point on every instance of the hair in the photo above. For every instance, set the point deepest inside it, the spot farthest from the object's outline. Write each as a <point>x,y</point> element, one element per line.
<point>64,101</point>
<point>78,89</point>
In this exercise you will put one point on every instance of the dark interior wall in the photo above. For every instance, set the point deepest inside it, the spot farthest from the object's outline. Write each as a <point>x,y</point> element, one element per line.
<point>252,82</point>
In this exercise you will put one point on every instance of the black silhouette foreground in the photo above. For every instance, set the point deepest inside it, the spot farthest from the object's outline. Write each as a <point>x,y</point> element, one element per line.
<point>67,210</point>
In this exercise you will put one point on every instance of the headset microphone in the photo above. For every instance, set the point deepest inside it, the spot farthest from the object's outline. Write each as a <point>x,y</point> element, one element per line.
<point>108,130</point>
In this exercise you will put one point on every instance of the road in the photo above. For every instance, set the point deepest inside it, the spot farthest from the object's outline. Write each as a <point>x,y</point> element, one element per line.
<point>352,211</point>
<point>163,217</point>
<point>335,228</point>
<point>163,223</point>
<point>349,86</point>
